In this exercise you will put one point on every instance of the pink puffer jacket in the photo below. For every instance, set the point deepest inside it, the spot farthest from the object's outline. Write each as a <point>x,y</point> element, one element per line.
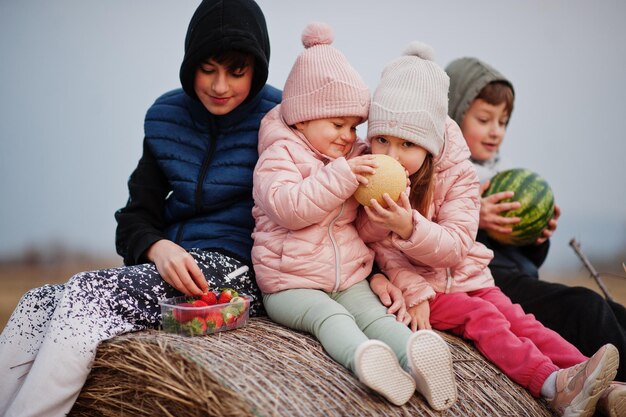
<point>441,255</point>
<point>305,235</point>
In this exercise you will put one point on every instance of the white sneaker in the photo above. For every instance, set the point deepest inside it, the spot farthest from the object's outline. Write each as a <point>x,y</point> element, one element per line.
<point>431,366</point>
<point>378,368</point>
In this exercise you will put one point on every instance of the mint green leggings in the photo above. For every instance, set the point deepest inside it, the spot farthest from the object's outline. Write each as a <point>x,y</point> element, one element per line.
<point>341,321</point>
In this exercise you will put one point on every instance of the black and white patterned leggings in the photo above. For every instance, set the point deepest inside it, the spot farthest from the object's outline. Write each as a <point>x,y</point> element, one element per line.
<point>50,341</point>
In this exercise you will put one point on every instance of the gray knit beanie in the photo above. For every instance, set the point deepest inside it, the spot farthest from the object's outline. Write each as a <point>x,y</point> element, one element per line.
<point>411,100</point>
<point>468,76</point>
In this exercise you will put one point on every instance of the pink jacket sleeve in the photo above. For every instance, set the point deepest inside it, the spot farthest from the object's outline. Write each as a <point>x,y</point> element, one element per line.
<point>446,241</point>
<point>369,231</point>
<point>295,202</point>
<point>402,273</point>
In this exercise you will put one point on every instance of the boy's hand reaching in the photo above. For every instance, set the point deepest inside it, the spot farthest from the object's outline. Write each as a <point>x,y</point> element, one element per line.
<point>364,164</point>
<point>490,209</point>
<point>177,267</point>
<point>397,217</point>
<point>548,231</point>
<point>420,316</point>
<point>390,296</point>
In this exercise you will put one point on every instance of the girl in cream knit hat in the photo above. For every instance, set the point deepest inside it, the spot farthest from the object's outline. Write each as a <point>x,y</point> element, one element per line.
<point>425,243</point>
<point>309,261</point>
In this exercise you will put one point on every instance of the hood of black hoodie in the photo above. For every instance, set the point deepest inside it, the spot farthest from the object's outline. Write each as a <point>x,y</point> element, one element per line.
<point>222,25</point>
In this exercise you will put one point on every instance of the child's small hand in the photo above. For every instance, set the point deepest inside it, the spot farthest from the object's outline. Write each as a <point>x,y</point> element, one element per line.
<point>397,217</point>
<point>420,316</point>
<point>390,296</point>
<point>549,231</point>
<point>364,164</point>
<point>490,209</point>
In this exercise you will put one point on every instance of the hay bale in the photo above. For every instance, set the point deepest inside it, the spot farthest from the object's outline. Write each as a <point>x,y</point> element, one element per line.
<point>267,370</point>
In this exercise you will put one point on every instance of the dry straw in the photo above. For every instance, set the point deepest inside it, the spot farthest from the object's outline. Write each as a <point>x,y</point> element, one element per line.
<point>267,370</point>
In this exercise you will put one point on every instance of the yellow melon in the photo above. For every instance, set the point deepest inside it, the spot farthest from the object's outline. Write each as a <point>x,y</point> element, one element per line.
<point>390,178</point>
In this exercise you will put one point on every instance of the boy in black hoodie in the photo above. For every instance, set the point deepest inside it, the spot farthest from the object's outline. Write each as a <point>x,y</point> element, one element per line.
<point>186,226</point>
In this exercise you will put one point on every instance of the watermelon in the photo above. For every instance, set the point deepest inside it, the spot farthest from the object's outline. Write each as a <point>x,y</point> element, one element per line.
<point>537,205</point>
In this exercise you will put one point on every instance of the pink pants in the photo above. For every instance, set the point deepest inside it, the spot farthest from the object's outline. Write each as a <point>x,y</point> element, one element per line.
<point>518,344</point>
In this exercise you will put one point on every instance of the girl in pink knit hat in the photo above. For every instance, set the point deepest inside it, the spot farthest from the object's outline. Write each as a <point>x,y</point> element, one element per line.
<point>425,243</point>
<point>309,261</point>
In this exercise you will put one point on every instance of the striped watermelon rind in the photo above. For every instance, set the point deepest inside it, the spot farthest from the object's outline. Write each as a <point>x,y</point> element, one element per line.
<point>537,205</point>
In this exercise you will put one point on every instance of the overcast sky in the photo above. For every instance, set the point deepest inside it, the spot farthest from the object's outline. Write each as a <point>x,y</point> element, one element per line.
<point>77,77</point>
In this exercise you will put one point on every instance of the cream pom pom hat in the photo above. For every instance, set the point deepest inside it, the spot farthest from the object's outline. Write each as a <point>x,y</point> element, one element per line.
<point>411,100</point>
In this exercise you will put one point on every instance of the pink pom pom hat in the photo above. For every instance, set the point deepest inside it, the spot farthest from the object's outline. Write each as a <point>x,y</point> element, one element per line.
<point>322,83</point>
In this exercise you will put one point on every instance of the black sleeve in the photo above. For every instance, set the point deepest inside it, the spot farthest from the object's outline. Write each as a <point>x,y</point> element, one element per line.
<point>141,223</point>
<point>511,260</point>
<point>537,253</point>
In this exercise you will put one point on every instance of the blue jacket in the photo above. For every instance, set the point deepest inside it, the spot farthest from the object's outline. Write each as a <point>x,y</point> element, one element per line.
<point>193,184</point>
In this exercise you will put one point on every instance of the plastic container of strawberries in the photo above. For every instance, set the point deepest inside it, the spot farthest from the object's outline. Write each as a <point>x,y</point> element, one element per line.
<point>180,317</point>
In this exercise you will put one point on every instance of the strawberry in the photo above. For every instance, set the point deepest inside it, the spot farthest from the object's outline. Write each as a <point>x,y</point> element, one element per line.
<point>209,297</point>
<point>229,314</point>
<point>226,295</point>
<point>185,313</point>
<point>196,326</point>
<point>199,303</point>
<point>241,319</point>
<point>214,320</point>
<point>240,303</point>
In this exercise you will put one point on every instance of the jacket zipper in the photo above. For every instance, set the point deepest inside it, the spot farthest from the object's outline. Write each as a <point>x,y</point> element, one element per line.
<point>448,281</point>
<point>336,249</point>
<point>201,177</point>
<point>204,169</point>
<point>179,232</point>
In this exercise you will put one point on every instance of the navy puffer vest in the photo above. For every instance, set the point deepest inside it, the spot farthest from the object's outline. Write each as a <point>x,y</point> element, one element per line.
<point>209,162</point>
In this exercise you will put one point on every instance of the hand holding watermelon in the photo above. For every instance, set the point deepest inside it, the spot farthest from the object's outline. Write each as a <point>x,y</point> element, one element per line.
<point>525,204</point>
<point>492,207</point>
<point>549,230</point>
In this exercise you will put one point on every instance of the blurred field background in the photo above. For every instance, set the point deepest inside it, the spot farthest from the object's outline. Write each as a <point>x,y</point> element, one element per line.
<point>35,269</point>
<point>17,276</point>
<point>75,93</point>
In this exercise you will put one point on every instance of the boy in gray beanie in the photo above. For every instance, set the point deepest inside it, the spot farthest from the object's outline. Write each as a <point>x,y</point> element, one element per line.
<point>481,101</point>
